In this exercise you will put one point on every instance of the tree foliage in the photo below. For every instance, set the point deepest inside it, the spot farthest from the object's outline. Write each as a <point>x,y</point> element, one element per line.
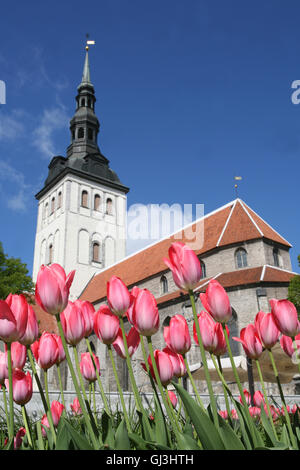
<point>294,290</point>
<point>14,277</point>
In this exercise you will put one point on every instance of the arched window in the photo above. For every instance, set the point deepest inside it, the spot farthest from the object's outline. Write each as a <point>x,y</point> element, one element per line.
<point>46,210</point>
<point>276,257</point>
<point>80,133</point>
<point>83,102</point>
<point>84,199</point>
<point>109,206</point>
<point>163,284</point>
<point>203,269</point>
<point>241,258</point>
<point>59,200</point>
<point>96,252</point>
<point>89,103</point>
<point>90,134</point>
<point>52,205</point>
<point>73,135</point>
<point>50,255</point>
<point>97,201</point>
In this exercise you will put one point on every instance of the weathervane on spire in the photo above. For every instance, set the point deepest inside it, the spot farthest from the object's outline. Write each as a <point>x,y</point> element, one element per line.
<point>88,42</point>
<point>237,178</point>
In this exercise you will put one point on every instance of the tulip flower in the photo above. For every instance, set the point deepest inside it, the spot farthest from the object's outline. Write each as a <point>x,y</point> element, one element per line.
<point>250,342</point>
<point>19,438</point>
<point>134,292</point>
<point>258,398</point>
<point>87,368</point>
<point>133,341</point>
<point>285,317</point>
<point>223,414</point>
<point>56,412</point>
<point>177,335</point>
<point>173,398</point>
<point>75,407</point>
<point>18,355</point>
<point>184,265</point>
<point>254,411</point>
<point>52,288</point>
<point>22,387</point>
<point>216,301</point>
<point>212,334</point>
<point>266,329</point>
<point>19,307</point>
<point>32,329</point>
<point>164,367</point>
<point>61,352</point>
<point>247,396</point>
<point>118,296</point>
<point>286,344</point>
<point>8,324</point>
<point>45,351</point>
<point>179,368</point>
<point>3,367</point>
<point>88,312</point>
<point>106,325</point>
<point>145,316</point>
<point>73,324</point>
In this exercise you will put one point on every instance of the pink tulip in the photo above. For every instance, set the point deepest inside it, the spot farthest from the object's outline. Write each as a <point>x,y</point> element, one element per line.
<point>254,411</point>
<point>185,266</point>
<point>164,367</point>
<point>8,324</point>
<point>145,316</point>
<point>247,396</point>
<point>72,323</point>
<point>286,344</point>
<point>250,342</point>
<point>3,367</point>
<point>216,302</point>
<point>87,368</point>
<point>106,325</point>
<point>133,341</point>
<point>75,407</point>
<point>177,335</point>
<point>61,352</point>
<point>19,307</point>
<point>179,368</point>
<point>134,292</point>
<point>173,398</point>
<point>32,329</point>
<point>22,386</point>
<point>19,438</point>
<point>56,412</point>
<point>45,351</point>
<point>52,288</point>
<point>223,414</point>
<point>285,317</point>
<point>18,355</point>
<point>88,312</point>
<point>258,398</point>
<point>266,329</point>
<point>118,296</point>
<point>212,334</point>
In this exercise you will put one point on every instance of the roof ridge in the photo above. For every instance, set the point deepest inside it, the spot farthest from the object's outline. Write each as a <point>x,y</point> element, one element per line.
<point>251,218</point>
<point>226,223</point>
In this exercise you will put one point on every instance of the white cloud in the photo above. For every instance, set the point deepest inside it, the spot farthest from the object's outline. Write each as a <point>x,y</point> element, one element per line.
<point>52,120</point>
<point>18,200</point>
<point>11,125</point>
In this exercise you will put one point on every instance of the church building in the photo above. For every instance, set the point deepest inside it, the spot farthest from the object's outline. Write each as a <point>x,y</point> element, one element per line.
<point>81,225</point>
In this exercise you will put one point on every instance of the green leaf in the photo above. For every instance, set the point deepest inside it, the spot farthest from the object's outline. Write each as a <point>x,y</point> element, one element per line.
<point>107,431</point>
<point>205,428</point>
<point>122,441</point>
<point>40,442</point>
<point>147,431</point>
<point>161,434</point>
<point>284,438</point>
<point>186,442</point>
<point>63,439</point>
<point>138,441</point>
<point>78,440</point>
<point>229,438</point>
<point>267,425</point>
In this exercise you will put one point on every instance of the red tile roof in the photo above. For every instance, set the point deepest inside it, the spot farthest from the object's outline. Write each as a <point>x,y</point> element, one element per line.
<point>233,223</point>
<point>46,321</point>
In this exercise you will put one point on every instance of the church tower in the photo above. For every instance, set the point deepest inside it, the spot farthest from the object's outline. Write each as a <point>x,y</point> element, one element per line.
<point>81,222</point>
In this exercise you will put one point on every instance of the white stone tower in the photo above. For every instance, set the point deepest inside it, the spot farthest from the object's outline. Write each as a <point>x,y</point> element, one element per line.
<point>81,221</point>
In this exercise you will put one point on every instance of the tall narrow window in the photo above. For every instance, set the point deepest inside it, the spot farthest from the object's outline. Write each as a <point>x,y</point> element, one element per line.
<point>83,102</point>
<point>97,201</point>
<point>84,199</point>
<point>80,133</point>
<point>276,257</point>
<point>52,205</point>
<point>59,200</point>
<point>90,134</point>
<point>46,210</point>
<point>163,284</point>
<point>50,257</point>
<point>241,258</point>
<point>96,252</point>
<point>203,269</point>
<point>109,206</point>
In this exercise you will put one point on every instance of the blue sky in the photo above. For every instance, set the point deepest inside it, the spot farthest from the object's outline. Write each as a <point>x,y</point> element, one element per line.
<point>189,94</point>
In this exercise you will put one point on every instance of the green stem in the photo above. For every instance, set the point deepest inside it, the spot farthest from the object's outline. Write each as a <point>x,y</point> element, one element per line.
<point>94,400</point>
<point>286,414</point>
<point>173,421</point>
<point>204,361</point>
<point>265,396</point>
<point>10,394</point>
<point>76,386</point>
<point>5,406</point>
<point>119,388</point>
<point>193,383</point>
<point>180,401</point>
<point>28,434</point>
<point>224,384</point>
<point>104,399</point>
<point>297,353</point>
<point>49,415</point>
<point>60,385</point>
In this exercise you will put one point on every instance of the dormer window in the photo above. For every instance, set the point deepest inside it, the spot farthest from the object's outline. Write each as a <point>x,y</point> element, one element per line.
<point>241,258</point>
<point>276,257</point>
<point>164,285</point>
<point>203,269</point>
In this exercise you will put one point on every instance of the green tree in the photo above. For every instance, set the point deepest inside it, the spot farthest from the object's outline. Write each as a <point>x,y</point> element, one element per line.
<point>14,277</point>
<point>294,290</point>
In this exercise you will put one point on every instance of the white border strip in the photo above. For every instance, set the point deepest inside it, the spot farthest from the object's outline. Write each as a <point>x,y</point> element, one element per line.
<point>226,223</point>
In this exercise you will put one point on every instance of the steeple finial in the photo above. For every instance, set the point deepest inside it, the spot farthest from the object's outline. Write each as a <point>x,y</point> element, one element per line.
<point>86,79</point>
